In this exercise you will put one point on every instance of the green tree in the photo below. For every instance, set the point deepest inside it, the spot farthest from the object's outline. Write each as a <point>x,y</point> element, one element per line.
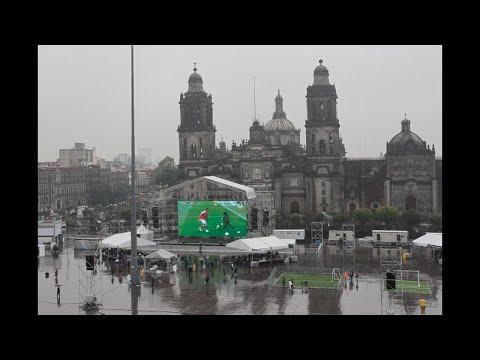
<point>318,217</point>
<point>295,221</point>
<point>167,173</point>
<point>339,219</point>
<point>101,194</point>
<point>126,214</point>
<point>279,223</point>
<point>120,192</point>
<point>387,215</point>
<point>411,218</point>
<point>362,215</point>
<point>436,221</point>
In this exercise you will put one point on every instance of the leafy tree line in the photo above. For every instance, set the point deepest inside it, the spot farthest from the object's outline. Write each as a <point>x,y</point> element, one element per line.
<point>103,195</point>
<point>167,173</point>
<point>365,220</point>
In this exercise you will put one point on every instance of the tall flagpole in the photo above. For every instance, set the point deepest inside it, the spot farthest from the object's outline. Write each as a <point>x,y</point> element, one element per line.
<point>133,222</point>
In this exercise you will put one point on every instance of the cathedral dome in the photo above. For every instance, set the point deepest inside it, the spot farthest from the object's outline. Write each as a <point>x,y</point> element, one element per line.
<point>320,69</point>
<point>195,78</point>
<point>320,75</point>
<point>195,81</point>
<point>279,124</point>
<point>406,139</point>
<point>279,119</point>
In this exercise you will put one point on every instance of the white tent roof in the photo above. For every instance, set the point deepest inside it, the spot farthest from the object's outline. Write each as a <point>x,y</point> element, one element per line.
<point>161,254</point>
<point>289,241</point>
<point>123,240</point>
<point>259,244</point>
<point>250,192</point>
<point>143,230</point>
<point>433,239</point>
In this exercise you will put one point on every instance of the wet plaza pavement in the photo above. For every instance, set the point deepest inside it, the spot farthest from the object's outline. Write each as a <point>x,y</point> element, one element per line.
<point>251,294</point>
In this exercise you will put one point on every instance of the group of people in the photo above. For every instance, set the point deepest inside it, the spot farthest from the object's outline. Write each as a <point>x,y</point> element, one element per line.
<point>350,275</point>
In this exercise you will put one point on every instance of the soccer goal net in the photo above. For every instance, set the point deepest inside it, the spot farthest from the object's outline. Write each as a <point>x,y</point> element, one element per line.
<point>335,275</point>
<point>408,277</point>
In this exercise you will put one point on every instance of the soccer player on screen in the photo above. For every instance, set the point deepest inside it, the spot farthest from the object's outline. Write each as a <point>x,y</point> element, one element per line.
<point>226,223</point>
<point>203,219</point>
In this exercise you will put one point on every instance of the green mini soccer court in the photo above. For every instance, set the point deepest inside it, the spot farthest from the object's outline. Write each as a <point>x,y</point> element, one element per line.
<point>408,286</point>
<point>321,281</point>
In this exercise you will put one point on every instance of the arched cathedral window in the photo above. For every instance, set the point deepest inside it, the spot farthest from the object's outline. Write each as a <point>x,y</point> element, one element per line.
<point>322,147</point>
<point>194,151</point>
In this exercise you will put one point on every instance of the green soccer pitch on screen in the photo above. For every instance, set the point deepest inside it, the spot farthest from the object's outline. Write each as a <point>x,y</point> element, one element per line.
<point>212,218</point>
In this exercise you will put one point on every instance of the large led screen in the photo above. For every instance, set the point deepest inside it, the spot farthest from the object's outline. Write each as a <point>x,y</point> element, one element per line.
<point>212,218</point>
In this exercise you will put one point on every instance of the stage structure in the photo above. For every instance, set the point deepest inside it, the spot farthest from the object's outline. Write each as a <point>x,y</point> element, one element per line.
<point>390,262</point>
<point>261,210</point>
<point>161,205</point>
<point>317,232</point>
<point>82,226</point>
<point>90,284</point>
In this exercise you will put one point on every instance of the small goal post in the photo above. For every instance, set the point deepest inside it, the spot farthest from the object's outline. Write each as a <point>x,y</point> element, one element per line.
<point>408,276</point>
<point>335,275</point>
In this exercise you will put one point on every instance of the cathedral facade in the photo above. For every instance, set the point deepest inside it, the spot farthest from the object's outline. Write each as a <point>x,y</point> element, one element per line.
<point>317,177</point>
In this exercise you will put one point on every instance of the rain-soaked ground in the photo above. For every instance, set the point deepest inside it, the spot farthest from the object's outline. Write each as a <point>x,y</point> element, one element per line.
<point>251,294</point>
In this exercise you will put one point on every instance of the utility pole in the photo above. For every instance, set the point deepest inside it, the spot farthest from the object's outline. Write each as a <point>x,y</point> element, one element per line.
<point>133,225</point>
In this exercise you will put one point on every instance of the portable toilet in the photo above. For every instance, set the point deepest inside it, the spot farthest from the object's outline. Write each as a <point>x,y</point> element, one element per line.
<point>41,250</point>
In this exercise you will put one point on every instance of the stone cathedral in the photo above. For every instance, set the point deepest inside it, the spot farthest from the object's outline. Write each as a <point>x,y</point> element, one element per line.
<point>317,177</point>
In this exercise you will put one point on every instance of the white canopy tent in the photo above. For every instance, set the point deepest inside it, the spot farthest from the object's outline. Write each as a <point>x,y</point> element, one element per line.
<point>123,240</point>
<point>167,260</point>
<point>160,254</point>
<point>432,239</point>
<point>260,244</point>
<point>145,233</point>
<point>291,242</point>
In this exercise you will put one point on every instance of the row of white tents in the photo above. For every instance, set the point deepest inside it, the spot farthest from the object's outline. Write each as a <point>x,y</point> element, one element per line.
<point>260,244</point>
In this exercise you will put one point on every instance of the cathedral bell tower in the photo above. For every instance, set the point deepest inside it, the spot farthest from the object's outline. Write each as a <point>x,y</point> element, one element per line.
<point>325,149</point>
<point>196,131</point>
<point>322,126</point>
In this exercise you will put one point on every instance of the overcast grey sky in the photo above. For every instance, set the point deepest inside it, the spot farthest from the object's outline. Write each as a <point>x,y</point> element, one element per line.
<point>84,93</point>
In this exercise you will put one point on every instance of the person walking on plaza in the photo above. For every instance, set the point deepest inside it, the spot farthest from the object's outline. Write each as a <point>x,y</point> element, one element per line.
<point>351,276</point>
<point>356,276</point>
<point>207,279</point>
<point>290,285</point>
<point>345,276</point>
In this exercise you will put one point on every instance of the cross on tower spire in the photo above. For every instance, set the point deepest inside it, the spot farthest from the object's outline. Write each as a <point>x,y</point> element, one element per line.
<point>405,116</point>
<point>195,66</point>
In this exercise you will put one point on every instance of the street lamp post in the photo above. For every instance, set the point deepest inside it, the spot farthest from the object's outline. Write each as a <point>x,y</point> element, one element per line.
<point>133,225</point>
